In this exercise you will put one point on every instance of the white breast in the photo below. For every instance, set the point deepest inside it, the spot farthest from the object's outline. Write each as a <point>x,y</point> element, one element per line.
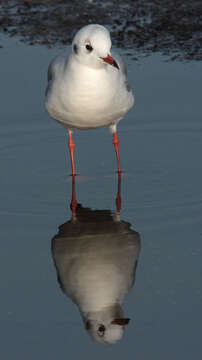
<point>94,99</point>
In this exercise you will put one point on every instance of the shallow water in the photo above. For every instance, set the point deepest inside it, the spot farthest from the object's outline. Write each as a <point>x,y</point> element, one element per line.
<point>160,147</point>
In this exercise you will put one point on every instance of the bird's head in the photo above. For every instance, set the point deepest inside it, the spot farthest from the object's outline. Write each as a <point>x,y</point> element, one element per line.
<point>91,46</point>
<point>107,332</point>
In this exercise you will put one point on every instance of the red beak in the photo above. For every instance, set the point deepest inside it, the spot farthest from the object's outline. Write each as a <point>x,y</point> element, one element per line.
<point>110,60</point>
<point>120,321</point>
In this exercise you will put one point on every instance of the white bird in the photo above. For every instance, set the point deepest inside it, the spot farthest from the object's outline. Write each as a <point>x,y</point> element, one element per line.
<point>89,89</point>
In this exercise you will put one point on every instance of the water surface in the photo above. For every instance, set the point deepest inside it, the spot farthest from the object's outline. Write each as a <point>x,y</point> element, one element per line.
<point>160,147</point>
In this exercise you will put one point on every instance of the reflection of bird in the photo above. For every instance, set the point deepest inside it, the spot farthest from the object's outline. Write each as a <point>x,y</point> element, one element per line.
<point>96,256</point>
<point>90,88</point>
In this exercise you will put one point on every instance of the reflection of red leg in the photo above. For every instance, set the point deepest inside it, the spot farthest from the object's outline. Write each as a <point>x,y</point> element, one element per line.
<point>71,151</point>
<point>118,197</point>
<point>116,146</point>
<point>74,201</point>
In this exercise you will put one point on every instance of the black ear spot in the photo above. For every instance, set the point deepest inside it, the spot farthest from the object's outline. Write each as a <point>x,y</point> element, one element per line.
<point>75,48</point>
<point>87,325</point>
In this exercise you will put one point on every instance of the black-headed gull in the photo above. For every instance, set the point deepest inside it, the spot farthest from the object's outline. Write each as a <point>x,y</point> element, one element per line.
<point>89,89</point>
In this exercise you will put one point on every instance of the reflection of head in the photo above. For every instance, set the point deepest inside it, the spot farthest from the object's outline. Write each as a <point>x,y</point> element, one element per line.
<point>96,259</point>
<point>107,333</point>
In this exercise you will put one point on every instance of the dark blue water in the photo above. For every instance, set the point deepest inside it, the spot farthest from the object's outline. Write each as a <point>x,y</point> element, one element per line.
<point>160,147</point>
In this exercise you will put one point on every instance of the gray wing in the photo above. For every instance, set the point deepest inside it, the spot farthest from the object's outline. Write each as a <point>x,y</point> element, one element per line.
<point>54,66</point>
<point>123,69</point>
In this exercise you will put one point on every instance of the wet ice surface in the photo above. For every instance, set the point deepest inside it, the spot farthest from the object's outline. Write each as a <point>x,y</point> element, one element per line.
<point>171,27</point>
<point>160,146</point>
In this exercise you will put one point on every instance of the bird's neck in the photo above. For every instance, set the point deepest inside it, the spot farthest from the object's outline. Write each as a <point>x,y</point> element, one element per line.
<point>108,312</point>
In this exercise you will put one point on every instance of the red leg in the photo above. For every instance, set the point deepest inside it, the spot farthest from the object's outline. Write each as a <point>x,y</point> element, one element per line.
<point>116,146</point>
<point>71,151</point>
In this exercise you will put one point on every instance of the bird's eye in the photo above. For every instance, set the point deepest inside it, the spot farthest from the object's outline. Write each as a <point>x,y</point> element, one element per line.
<point>101,330</point>
<point>89,47</point>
